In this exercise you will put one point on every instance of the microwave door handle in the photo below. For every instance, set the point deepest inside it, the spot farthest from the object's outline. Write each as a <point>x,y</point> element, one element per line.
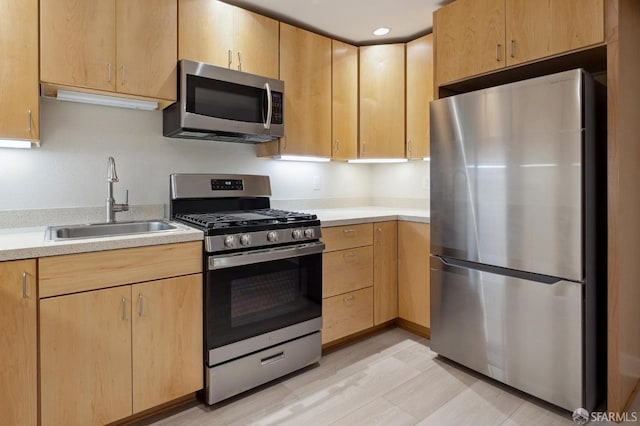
<point>267,123</point>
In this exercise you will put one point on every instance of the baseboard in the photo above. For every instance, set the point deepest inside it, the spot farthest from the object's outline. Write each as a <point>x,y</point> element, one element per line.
<point>160,412</point>
<point>414,328</point>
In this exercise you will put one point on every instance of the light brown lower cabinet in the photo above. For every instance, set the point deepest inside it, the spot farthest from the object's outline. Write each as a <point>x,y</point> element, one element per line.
<point>359,281</point>
<point>385,271</point>
<point>413,273</point>
<point>18,331</point>
<point>106,354</point>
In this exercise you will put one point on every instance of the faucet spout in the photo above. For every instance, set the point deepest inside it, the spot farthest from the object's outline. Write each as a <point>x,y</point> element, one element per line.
<point>112,176</point>
<point>111,205</point>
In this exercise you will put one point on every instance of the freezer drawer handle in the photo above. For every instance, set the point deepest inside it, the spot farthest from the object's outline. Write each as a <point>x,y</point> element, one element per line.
<point>529,276</point>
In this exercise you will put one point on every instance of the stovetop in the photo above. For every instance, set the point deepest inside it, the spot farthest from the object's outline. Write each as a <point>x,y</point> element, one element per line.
<point>238,221</point>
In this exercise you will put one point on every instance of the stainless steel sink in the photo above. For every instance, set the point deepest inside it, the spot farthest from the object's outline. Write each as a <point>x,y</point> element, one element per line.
<point>95,230</point>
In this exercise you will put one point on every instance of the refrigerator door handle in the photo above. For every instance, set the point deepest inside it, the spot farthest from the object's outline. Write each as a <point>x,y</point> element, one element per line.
<point>529,276</point>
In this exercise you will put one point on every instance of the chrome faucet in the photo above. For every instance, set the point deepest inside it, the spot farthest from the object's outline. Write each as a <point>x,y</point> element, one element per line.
<point>112,206</point>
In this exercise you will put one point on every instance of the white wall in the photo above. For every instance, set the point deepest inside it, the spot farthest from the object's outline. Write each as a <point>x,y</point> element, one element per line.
<point>69,169</point>
<point>403,184</point>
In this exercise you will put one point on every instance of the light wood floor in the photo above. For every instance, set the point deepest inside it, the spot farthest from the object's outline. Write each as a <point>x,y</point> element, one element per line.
<point>390,378</point>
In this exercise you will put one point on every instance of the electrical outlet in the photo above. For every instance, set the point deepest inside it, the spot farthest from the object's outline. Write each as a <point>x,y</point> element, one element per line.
<point>316,183</point>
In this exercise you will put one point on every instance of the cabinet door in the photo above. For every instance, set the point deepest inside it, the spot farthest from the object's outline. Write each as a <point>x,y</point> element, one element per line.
<point>469,37</point>
<point>382,101</point>
<point>539,29</point>
<point>85,357</point>
<point>344,96</point>
<point>18,357</point>
<point>385,271</point>
<point>147,40</point>
<point>19,71</point>
<point>305,66</point>
<point>167,340</point>
<point>255,43</point>
<point>413,272</point>
<point>419,94</point>
<point>78,43</point>
<point>206,31</point>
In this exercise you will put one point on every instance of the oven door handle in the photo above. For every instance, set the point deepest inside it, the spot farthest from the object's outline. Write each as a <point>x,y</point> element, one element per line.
<point>240,259</point>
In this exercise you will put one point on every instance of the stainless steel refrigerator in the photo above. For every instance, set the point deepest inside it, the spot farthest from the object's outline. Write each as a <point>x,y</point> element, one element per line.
<point>518,235</point>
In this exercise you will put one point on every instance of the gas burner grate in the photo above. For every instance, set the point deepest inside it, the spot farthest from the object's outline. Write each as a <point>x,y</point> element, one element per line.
<point>243,218</point>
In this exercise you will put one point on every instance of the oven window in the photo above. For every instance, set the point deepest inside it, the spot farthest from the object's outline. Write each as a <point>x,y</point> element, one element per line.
<point>247,301</point>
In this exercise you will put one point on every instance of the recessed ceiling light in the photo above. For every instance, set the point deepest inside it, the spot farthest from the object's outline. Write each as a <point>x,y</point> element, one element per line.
<point>381,31</point>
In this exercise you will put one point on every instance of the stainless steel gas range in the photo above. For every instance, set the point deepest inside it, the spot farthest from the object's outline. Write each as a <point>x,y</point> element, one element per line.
<point>262,280</point>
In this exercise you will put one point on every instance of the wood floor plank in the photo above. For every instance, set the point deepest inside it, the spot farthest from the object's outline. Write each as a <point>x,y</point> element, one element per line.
<point>481,404</point>
<point>379,412</point>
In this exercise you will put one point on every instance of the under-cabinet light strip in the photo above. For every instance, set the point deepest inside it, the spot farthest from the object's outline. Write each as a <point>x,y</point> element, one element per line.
<point>302,158</point>
<point>113,101</point>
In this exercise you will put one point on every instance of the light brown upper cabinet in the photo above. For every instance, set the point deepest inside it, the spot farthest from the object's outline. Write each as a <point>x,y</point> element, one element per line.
<point>469,37</point>
<point>474,37</point>
<point>382,101</point>
<point>305,67</point>
<point>19,116</point>
<point>538,29</point>
<point>419,94</point>
<point>128,47</point>
<point>344,112</point>
<point>220,34</point>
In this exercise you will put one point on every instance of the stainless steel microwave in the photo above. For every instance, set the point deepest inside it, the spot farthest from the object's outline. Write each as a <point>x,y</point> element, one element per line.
<point>222,104</point>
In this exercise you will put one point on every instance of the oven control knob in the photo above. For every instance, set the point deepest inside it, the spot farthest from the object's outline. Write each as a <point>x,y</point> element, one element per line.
<point>272,236</point>
<point>229,241</point>
<point>297,234</point>
<point>245,240</point>
<point>309,233</point>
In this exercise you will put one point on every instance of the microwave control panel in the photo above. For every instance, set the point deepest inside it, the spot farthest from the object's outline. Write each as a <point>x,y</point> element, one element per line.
<point>276,117</point>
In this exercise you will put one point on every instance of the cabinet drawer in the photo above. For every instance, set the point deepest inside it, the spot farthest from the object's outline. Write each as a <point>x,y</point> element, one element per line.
<point>347,270</point>
<point>344,237</point>
<point>90,271</point>
<point>347,314</point>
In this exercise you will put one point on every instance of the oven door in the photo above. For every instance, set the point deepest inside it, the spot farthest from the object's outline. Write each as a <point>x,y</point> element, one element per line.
<point>261,298</point>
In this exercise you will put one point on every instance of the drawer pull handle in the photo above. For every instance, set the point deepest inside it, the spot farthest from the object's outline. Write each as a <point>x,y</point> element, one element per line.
<point>272,359</point>
<point>141,299</point>
<point>349,255</point>
<point>349,299</point>
<point>124,309</point>
<point>24,285</point>
<point>349,232</point>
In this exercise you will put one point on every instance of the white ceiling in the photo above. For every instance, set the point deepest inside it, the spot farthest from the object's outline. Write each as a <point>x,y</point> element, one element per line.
<point>352,20</point>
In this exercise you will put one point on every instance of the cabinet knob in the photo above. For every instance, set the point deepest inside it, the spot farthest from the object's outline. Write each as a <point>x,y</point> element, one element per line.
<point>348,299</point>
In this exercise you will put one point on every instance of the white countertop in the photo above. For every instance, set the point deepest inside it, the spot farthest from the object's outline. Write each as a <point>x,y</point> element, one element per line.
<point>354,215</point>
<point>27,243</point>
